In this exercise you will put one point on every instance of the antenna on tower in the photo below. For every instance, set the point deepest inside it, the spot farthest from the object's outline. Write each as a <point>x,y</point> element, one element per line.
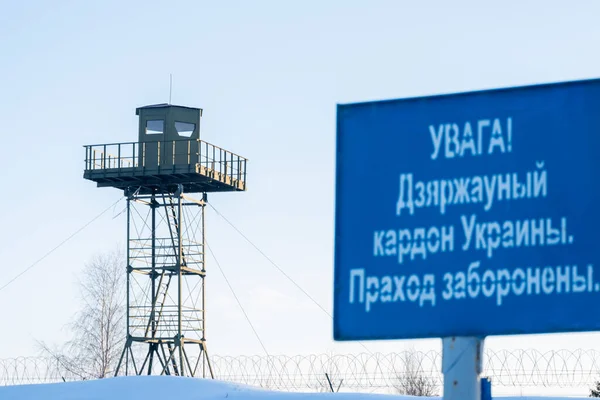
<point>170,86</point>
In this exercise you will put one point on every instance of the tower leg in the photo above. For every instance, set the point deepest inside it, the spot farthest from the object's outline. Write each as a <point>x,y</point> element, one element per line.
<point>169,245</point>
<point>210,370</point>
<point>121,360</point>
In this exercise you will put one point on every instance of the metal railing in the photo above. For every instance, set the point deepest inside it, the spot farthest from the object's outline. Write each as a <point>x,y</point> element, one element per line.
<point>111,156</point>
<point>162,155</point>
<point>222,161</point>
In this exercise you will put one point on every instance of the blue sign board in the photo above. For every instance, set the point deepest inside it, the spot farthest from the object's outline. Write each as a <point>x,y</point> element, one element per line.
<point>471,214</point>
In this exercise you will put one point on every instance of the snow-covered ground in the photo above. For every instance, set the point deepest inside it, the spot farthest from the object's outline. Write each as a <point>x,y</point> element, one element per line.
<point>166,387</point>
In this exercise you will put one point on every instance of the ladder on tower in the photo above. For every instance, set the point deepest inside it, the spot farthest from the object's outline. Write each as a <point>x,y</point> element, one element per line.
<point>160,297</point>
<point>174,224</point>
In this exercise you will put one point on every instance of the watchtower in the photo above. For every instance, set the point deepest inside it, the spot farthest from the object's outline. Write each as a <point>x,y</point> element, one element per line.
<point>166,240</point>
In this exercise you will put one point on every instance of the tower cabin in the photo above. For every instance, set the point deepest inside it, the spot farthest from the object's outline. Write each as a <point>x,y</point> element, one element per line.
<point>168,153</point>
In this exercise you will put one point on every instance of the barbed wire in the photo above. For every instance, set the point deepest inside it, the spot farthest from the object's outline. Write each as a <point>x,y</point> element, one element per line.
<point>358,372</point>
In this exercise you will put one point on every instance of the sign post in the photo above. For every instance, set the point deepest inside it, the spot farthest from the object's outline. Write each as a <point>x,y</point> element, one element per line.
<point>468,215</point>
<point>462,365</point>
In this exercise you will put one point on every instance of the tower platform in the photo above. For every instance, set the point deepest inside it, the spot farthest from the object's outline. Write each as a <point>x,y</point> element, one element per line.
<point>198,166</point>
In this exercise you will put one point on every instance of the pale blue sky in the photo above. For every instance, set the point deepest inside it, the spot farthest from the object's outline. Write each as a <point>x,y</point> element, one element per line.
<point>268,75</point>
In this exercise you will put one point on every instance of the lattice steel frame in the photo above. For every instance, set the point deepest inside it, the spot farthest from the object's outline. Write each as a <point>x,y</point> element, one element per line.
<point>166,318</point>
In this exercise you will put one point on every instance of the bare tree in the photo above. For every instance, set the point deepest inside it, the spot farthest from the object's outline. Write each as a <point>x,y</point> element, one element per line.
<point>413,380</point>
<point>98,332</point>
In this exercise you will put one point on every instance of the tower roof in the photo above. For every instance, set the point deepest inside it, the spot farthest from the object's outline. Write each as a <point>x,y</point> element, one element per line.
<point>164,105</point>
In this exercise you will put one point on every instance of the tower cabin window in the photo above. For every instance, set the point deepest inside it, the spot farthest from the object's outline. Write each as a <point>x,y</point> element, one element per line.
<point>155,127</point>
<point>184,129</point>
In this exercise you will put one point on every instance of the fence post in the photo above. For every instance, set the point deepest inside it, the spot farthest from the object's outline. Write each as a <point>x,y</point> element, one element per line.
<point>329,382</point>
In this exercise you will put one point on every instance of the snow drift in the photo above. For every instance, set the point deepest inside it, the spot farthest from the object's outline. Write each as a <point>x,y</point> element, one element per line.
<point>169,387</point>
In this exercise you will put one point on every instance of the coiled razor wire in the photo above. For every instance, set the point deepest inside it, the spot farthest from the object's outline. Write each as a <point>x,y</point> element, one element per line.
<point>358,372</point>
